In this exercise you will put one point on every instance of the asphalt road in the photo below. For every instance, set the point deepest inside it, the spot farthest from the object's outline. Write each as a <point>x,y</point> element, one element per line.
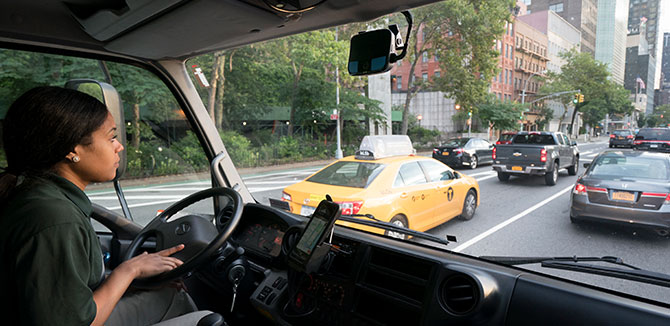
<point>521,217</point>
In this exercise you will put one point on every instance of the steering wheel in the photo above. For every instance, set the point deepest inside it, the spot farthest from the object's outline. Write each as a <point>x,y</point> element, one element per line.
<point>199,235</point>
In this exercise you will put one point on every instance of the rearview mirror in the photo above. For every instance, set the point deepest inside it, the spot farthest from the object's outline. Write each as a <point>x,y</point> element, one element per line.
<point>108,95</point>
<point>370,52</point>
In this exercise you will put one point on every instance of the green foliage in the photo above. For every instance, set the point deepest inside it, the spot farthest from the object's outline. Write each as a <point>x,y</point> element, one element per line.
<point>641,120</point>
<point>502,115</point>
<point>190,150</point>
<point>601,95</point>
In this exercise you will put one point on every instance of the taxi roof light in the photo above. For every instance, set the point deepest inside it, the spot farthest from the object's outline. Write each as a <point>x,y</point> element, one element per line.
<point>377,147</point>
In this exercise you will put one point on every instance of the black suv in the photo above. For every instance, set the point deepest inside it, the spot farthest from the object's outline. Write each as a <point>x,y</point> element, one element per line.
<point>622,137</point>
<point>653,139</point>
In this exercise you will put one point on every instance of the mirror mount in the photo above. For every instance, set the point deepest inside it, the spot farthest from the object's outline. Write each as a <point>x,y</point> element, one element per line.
<point>398,38</point>
<point>373,52</point>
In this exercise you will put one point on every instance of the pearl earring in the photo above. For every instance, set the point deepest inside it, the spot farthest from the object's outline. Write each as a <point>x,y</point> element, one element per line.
<point>75,159</point>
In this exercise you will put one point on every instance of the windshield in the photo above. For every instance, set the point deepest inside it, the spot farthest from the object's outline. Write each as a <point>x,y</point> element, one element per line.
<point>622,132</point>
<point>348,174</point>
<point>287,108</point>
<point>617,167</point>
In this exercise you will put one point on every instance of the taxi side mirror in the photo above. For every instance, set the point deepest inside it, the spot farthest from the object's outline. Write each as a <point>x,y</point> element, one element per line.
<point>457,175</point>
<point>108,95</point>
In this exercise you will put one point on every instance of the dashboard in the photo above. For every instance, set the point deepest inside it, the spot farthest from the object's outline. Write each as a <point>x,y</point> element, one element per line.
<point>367,279</point>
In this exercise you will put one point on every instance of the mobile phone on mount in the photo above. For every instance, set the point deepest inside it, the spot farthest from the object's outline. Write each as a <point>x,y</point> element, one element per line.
<point>309,251</point>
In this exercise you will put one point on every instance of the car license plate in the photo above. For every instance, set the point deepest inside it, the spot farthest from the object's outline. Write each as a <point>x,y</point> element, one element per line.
<point>517,168</point>
<point>445,153</point>
<point>620,137</point>
<point>653,145</point>
<point>619,195</point>
<point>307,210</point>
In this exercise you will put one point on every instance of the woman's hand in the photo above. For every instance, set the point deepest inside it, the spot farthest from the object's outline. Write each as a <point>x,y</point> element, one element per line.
<point>146,265</point>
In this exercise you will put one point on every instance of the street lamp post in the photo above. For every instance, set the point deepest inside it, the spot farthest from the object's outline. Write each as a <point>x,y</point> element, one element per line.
<point>523,92</point>
<point>338,152</point>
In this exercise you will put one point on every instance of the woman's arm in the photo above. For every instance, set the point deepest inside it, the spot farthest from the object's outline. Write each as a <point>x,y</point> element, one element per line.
<point>108,294</point>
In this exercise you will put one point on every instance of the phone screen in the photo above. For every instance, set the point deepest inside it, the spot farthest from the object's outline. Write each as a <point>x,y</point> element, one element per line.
<point>322,220</point>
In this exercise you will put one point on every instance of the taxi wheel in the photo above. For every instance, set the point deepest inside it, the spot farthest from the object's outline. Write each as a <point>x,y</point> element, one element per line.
<point>469,206</point>
<point>400,221</point>
<point>474,162</point>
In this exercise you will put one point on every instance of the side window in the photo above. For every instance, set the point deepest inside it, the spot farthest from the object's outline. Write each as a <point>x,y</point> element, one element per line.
<point>561,141</point>
<point>470,144</point>
<point>411,174</point>
<point>567,140</point>
<point>166,161</point>
<point>437,171</point>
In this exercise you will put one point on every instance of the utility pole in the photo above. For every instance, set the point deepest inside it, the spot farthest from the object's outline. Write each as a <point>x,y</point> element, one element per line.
<point>338,151</point>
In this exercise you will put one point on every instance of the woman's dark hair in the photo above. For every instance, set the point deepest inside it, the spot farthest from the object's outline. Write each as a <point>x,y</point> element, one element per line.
<point>42,126</point>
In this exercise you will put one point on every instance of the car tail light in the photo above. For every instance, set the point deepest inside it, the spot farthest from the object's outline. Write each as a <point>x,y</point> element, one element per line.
<point>494,153</point>
<point>630,136</point>
<point>580,189</point>
<point>658,195</point>
<point>458,150</point>
<point>637,142</point>
<point>612,136</point>
<point>498,143</point>
<point>350,207</point>
<point>435,150</point>
<point>543,155</point>
<point>285,196</point>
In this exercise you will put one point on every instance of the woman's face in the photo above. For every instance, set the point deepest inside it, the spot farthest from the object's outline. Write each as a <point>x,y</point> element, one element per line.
<point>98,161</point>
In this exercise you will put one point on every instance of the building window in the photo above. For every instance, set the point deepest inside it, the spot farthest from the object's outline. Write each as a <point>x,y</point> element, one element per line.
<point>424,76</point>
<point>527,2</point>
<point>437,74</point>
<point>557,7</point>
<point>424,57</point>
<point>398,83</point>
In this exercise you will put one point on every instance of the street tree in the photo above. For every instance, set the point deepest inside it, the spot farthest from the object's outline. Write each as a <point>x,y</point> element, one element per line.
<point>601,95</point>
<point>498,114</point>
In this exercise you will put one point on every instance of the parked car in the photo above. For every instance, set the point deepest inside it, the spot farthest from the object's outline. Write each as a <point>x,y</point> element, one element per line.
<point>623,137</point>
<point>464,151</point>
<point>536,153</point>
<point>506,137</point>
<point>386,180</point>
<point>625,187</point>
<point>653,139</point>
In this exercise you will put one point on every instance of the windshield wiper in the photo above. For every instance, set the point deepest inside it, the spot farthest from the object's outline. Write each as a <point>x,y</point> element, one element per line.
<point>577,264</point>
<point>355,218</point>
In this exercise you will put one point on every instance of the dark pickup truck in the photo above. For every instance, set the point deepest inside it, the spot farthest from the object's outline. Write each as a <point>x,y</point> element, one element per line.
<point>536,153</point>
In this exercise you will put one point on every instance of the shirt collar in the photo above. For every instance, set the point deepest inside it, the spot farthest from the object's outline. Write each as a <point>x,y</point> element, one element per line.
<point>72,192</point>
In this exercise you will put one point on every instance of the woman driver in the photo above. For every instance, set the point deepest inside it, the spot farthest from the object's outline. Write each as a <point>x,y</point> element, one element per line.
<point>57,141</point>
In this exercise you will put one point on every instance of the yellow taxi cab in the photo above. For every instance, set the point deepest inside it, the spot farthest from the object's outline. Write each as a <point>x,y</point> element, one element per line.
<point>385,179</point>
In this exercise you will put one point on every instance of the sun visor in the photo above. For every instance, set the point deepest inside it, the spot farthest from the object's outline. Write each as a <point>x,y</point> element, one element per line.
<point>376,147</point>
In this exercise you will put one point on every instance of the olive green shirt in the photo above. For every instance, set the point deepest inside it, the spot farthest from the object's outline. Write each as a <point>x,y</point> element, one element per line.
<point>50,257</point>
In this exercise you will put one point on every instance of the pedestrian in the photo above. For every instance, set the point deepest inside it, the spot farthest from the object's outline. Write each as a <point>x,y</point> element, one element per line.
<point>57,141</point>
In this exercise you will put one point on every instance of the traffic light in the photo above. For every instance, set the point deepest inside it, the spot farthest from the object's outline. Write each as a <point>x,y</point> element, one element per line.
<point>457,107</point>
<point>576,99</point>
<point>469,113</point>
<point>581,98</point>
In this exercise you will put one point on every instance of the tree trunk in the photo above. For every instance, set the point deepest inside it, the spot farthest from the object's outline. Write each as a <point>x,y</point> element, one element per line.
<point>572,121</point>
<point>213,87</point>
<point>297,71</point>
<point>218,108</point>
<point>136,126</point>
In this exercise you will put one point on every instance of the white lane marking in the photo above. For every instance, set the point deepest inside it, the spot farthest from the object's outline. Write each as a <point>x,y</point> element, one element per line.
<point>487,177</point>
<point>480,173</point>
<point>136,197</point>
<point>510,221</point>
<point>114,208</point>
<point>585,153</point>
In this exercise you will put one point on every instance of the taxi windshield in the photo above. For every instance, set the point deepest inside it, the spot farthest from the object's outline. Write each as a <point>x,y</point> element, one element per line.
<point>348,174</point>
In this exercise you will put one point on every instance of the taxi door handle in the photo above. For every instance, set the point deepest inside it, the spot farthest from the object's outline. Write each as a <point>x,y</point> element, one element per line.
<point>403,195</point>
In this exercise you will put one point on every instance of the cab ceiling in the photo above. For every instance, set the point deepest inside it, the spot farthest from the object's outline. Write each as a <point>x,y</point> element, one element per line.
<point>162,29</point>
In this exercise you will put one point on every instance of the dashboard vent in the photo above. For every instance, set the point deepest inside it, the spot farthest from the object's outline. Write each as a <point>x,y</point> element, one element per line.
<point>460,294</point>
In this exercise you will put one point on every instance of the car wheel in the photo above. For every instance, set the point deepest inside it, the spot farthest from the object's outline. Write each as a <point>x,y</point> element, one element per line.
<point>502,176</point>
<point>611,146</point>
<point>400,221</point>
<point>573,220</point>
<point>552,176</point>
<point>574,169</point>
<point>474,161</point>
<point>469,206</point>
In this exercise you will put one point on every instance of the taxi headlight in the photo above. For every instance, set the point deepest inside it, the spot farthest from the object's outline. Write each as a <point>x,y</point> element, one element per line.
<point>285,196</point>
